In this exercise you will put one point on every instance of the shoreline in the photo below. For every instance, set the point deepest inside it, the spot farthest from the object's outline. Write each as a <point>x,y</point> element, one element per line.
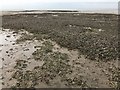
<point>116,12</point>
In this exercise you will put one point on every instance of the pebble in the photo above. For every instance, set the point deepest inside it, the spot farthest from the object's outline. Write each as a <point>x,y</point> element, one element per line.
<point>7,52</point>
<point>3,59</point>
<point>26,49</point>
<point>13,44</point>
<point>11,49</point>
<point>8,36</point>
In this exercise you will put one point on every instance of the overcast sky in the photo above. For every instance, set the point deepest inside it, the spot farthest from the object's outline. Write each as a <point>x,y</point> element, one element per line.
<point>57,4</point>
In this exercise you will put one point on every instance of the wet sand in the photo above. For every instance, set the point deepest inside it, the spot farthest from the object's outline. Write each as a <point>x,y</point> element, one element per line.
<point>96,72</point>
<point>11,52</point>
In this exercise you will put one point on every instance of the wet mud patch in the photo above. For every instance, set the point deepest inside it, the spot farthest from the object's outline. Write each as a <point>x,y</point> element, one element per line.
<point>36,61</point>
<point>12,53</point>
<point>94,35</point>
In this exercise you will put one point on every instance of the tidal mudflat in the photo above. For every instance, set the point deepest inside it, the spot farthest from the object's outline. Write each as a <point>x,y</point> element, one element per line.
<point>59,50</point>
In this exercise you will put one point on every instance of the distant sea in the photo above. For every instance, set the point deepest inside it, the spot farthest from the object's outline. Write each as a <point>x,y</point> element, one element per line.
<point>92,7</point>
